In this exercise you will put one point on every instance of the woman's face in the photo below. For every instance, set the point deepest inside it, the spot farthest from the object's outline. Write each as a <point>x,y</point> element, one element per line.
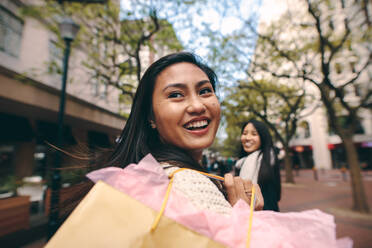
<point>186,109</point>
<point>250,138</point>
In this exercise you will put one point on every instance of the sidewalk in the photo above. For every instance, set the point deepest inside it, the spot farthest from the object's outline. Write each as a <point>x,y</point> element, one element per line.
<point>330,194</point>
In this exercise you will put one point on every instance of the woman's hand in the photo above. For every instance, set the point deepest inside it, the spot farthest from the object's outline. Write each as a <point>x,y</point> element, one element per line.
<point>237,188</point>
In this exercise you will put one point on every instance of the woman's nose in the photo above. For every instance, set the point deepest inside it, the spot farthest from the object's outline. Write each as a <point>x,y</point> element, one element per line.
<point>196,105</point>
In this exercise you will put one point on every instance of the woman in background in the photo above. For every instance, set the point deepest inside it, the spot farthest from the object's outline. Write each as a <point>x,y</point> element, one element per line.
<point>258,162</point>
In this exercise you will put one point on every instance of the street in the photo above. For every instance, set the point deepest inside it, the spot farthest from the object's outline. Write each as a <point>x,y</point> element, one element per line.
<point>330,194</point>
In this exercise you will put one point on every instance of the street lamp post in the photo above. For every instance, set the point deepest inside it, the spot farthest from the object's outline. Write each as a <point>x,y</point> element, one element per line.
<point>68,30</point>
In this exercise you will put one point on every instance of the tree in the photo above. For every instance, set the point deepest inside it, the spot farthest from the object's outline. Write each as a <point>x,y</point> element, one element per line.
<point>279,106</point>
<point>326,44</point>
<point>112,39</point>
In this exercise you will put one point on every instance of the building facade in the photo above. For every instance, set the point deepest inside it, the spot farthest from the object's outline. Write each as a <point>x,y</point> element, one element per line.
<point>315,143</point>
<point>30,95</point>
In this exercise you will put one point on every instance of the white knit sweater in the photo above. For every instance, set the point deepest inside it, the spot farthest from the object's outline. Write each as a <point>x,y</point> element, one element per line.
<point>199,189</point>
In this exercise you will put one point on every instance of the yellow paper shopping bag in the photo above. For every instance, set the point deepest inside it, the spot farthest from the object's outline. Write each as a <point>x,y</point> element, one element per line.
<point>107,217</point>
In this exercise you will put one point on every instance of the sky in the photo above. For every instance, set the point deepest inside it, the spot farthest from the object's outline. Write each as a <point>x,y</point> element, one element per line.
<point>224,23</point>
<point>268,10</point>
<point>271,10</point>
<point>209,14</point>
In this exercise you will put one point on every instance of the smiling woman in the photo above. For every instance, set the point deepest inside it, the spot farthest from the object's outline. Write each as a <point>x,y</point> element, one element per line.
<point>175,115</point>
<point>186,110</point>
<point>259,162</point>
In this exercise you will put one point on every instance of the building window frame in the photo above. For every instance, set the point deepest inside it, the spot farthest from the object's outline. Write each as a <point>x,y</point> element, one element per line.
<point>11,28</point>
<point>99,90</point>
<point>55,56</point>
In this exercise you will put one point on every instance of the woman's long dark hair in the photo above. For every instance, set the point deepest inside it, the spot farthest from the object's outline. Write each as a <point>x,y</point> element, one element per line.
<point>268,172</point>
<point>138,138</point>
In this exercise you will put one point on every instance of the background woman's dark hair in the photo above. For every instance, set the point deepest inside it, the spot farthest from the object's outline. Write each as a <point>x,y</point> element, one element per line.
<point>269,173</point>
<point>138,138</point>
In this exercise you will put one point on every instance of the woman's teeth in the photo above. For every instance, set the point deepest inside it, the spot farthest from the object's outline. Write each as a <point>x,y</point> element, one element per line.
<point>197,125</point>
<point>248,144</point>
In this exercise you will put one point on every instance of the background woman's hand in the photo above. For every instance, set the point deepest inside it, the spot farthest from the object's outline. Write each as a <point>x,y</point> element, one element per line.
<point>237,188</point>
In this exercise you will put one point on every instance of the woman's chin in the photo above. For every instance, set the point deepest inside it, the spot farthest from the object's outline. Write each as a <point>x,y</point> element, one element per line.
<point>250,150</point>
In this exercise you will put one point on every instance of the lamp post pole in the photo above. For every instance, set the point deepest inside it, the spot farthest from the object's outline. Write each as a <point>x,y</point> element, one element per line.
<point>68,32</point>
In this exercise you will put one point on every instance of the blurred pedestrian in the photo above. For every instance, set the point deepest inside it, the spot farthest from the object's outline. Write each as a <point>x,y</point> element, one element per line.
<point>229,164</point>
<point>215,166</point>
<point>259,163</point>
<point>224,168</point>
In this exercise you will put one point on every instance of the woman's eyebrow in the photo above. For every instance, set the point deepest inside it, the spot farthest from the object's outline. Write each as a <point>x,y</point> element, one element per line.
<point>202,82</point>
<point>184,85</point>
<point>175,85</point>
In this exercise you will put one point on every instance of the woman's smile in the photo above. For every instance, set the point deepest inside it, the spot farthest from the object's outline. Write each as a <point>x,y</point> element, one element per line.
<point>198,126</point>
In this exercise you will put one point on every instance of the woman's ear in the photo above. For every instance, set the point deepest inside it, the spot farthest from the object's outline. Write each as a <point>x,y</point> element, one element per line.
<point>152,124</point>
<point>151,119</point>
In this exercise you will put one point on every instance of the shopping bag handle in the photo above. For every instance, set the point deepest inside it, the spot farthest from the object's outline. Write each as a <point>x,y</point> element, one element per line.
<point>250,217</point>
<point>164,204</point>
<point>167,193</point>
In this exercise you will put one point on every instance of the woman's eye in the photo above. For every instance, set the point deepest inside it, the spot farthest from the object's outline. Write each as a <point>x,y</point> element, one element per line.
<point>206,91</point>
<point>175,95</point>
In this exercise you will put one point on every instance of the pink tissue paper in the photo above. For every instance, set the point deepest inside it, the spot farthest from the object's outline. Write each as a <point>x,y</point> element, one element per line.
<point>147,182</point>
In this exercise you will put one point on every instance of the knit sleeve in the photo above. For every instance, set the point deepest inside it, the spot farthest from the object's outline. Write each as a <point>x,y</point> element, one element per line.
<point>200,190</point>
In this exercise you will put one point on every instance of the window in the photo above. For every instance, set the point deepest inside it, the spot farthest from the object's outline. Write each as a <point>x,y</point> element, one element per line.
<point>55,59</point>
<point>55,52</point>
<point>99,89</point>
<point>10,32</point>
<point>303,130</point>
